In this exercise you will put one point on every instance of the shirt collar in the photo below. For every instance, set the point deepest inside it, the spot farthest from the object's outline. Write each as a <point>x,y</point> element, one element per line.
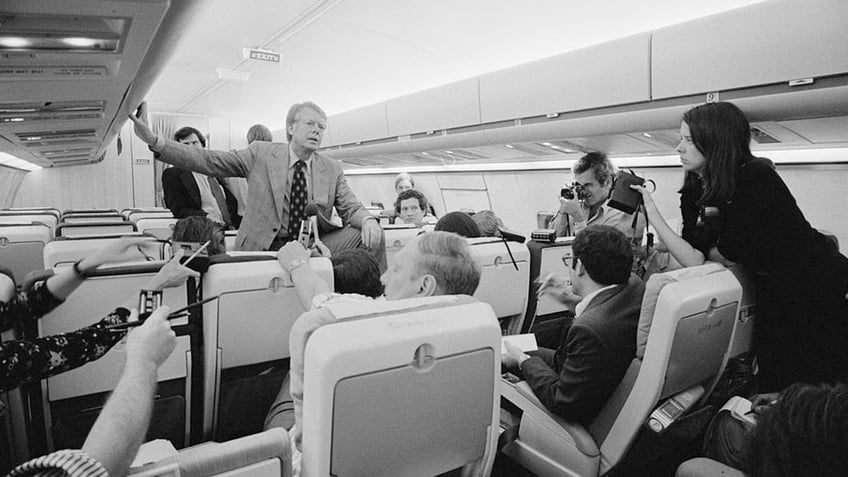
<point>293,158</point>
<point>581,307</point>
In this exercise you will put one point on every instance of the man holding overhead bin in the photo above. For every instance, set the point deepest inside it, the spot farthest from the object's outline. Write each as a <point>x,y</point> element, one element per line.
<point>282,179</point>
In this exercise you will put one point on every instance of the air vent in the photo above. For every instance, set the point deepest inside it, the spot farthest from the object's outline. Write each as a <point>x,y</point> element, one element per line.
<point>762,137</point>
<point>64,153</point>
<point>58,138</point>
<point>50,111</point>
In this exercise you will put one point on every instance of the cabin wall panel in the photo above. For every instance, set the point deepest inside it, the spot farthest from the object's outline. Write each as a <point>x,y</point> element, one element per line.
<point>612,73</point>
<point>755,45</point>
<point>449,106</point>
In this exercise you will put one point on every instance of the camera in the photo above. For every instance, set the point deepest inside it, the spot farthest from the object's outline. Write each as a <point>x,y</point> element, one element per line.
<point>623,197</point>
<point>573,191</point>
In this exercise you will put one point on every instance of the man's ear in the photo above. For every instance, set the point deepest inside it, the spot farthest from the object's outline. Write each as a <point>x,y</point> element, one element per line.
<point>579,268</point>
<point>427,286</point>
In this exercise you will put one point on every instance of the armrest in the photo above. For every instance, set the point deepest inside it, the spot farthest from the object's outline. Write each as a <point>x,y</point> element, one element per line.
<point>703,467</point>
<point>571,434</point>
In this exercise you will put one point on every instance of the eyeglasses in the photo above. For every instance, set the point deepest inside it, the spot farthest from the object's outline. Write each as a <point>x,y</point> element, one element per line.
<point>569,258</point>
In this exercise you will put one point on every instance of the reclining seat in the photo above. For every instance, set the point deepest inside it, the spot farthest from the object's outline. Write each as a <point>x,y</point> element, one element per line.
<point>414,393</point>
<point>689,339</point>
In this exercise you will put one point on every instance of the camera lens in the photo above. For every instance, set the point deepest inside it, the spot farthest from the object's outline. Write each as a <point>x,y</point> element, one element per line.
<point>566,193</point>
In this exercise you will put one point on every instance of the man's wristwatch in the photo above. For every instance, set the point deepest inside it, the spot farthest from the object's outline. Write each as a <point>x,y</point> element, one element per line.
<point>297,263</point>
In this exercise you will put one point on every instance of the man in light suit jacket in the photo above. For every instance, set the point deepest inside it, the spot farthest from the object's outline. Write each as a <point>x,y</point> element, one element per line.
<point>188,194</point>
<point>269,169</point>
<point>577,379</point>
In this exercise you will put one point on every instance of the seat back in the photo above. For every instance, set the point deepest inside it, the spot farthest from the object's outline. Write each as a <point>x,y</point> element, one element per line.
<point>266,454</point>
<point>22,247</point>
<point>66,252</point>
<point>88,229</point>
<point>87,219</point>
<point>67,397</point>
<point>743,336</point>
<point>48,218</point>
<point>397,236</point>
<point>136,215</point>
<point>688,344</point>
<point>161,228</point>
<point>230,239</point>
<point>502,285</point>
<point>250,323</point>
<point>413,394</point>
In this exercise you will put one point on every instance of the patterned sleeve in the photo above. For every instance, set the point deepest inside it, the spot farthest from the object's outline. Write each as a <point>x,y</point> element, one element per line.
<point>63,463</point>
<point>29,305</point>
<point>23,361</point>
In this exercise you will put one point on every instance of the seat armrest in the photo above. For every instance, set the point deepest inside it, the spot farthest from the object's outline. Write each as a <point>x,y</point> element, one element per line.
<point>703,467</point>
<point>570,433</point>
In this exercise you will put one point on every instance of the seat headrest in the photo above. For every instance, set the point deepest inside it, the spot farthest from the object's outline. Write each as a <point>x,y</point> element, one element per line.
<point>653,287</point>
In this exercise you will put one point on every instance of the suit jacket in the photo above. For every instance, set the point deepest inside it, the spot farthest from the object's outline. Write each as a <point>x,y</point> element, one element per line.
<point>577,380</point>
<point>182,195</point>
<point>265,165</point>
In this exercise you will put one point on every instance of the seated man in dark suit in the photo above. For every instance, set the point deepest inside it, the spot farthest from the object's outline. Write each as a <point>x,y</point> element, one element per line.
<point>189,193</point>
<point>577,379</point>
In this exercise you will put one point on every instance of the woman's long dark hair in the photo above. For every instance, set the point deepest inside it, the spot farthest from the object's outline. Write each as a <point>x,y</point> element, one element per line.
<point>720,131</point>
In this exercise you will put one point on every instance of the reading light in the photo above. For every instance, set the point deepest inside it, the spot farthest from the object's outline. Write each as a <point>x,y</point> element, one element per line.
<point>510,146</point>
<point>80,42</point>
<point>546,144</point>
<point>13,42</point>
<point>647,135</point>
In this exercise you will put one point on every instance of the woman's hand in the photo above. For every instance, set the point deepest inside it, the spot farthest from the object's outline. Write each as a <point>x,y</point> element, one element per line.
<point>172,274</point>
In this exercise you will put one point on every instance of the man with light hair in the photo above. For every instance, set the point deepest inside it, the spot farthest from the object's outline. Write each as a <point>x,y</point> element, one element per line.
<point>431,264</point>
<point>282,179</point>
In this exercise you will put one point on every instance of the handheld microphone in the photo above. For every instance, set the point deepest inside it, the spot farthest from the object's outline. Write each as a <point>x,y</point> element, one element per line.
<point>312,213</point>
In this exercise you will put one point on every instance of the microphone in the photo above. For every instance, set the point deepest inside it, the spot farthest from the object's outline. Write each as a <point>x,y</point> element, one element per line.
<point>311,224</point>
<point>511,236</point>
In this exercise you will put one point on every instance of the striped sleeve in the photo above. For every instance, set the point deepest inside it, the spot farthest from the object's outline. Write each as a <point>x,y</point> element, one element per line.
<point>63,463</point>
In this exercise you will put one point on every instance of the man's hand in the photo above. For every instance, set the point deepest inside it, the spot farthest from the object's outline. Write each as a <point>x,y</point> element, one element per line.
<point>152,342</point>
<point>125,249</point>
<point>761,402</point>
<point>572,207</point>
<point>513,357</point>
<point>290,252</point>
<point>371,233</point>
<point>141,126</point>
<point>172,274</point>
<point>558,286</point>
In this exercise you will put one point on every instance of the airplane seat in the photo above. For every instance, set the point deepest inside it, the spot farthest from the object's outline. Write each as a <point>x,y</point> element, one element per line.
<point>246,336</point>
<point>88,229</point>
<point>265,454</point>
<point>545,316</point>
<point>415,394</point>
<point>505,268</point>
<point>544,218</point>
<point>140,214</point>
<point>230,239</point>
<point>44,217</point>
<point>66,251</point>
<point>22,247</point>
<point>72,400</point>
<point>161,228</point>
<point>689,341</point>
<point>397,236</point>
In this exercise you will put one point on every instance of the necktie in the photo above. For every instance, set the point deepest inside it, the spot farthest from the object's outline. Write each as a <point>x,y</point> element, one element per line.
<point>218,194</point>
<point>298,199</point>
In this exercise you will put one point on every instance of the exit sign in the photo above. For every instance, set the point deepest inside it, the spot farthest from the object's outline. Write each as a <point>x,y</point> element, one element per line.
<point>261,55</point>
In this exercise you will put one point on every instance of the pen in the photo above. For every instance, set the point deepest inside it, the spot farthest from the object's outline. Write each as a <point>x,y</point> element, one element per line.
<point>196,253</point>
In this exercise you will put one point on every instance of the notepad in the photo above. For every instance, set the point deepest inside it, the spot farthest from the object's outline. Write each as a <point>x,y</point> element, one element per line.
<point>525,342</point>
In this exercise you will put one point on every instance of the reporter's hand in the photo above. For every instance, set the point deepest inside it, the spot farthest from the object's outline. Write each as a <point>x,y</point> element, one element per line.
<point>558,286</point>
<point>290,252</point>
<point>152,342</point>
<point>572,207</point>
<point>647,199</point>
<point>371,233</point>
<point>761,402</point>
<point>172,274</point>
<point>512,357</point>
<point>125,249</point>
<point>141,125</point>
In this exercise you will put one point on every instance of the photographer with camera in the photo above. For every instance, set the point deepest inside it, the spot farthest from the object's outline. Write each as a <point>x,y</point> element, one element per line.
<point>584,202</point>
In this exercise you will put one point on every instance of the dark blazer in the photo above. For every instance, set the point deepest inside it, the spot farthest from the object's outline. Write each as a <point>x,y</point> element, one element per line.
<point>182,195</point>
<point>265,165</point>
<point>577,380</point>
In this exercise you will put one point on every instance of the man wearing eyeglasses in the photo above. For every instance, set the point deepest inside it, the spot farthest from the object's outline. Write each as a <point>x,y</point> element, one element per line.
<point>584,203</point>
<point>282,179</point>
<point>575,380</point>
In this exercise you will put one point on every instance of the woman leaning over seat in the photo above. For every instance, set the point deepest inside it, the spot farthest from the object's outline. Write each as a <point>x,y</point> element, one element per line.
<point>737,209</point>
<point>22,361</point>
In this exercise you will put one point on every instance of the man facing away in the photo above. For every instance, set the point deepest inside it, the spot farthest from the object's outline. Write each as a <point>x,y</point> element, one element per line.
<point>576,380</point>
<point>431,264</point>
<point>594,176</point>
<point>282,179</point>
<point>190,194</point>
